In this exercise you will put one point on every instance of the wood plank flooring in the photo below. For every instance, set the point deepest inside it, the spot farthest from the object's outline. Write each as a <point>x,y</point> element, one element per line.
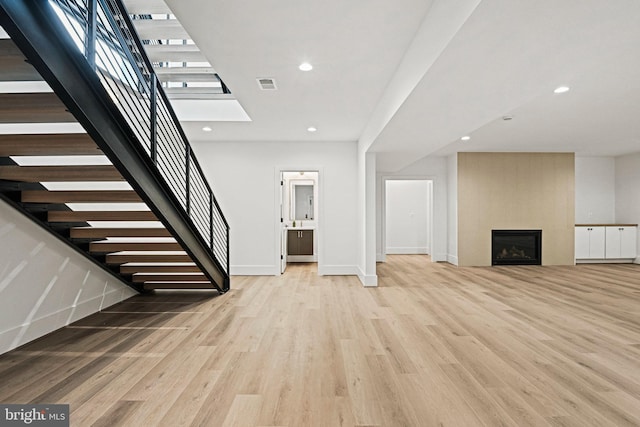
<point>434,345</point>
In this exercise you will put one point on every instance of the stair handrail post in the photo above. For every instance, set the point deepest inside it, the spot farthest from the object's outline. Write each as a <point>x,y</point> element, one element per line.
<point>187,157</point>
<point>211,207</point>
<point>90,42</point>
<point>154,118</point>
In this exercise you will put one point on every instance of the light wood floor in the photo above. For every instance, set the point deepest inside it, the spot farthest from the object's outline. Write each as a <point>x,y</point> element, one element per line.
<point>433,345</point>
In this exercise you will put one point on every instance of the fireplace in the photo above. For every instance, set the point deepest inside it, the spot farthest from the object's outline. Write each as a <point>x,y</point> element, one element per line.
<point>516,247</point>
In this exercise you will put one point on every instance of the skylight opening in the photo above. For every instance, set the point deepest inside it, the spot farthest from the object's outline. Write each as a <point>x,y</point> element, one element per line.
<point>61,160</point>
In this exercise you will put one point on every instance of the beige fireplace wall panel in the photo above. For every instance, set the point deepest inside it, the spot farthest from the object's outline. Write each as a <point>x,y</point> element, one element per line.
<point>516,191</point>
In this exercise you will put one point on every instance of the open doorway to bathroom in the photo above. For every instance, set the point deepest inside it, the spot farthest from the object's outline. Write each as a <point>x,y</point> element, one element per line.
<point>299,219</point>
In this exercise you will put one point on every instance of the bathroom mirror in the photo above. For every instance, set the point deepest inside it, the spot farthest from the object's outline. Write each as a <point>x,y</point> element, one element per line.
<point>301,201</point>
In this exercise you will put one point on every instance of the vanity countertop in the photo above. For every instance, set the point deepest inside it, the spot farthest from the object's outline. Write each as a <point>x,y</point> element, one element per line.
<point>310,227</point>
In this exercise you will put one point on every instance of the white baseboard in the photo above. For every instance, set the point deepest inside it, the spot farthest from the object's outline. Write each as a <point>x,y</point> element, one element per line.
<point>337,270</point>
<point>368,280</point>
<point>608,261</point>
<point>399,250</point>
<point>381,258</point>
<point>451,259</point>
<point>439,258</point>
<point>254,270</point>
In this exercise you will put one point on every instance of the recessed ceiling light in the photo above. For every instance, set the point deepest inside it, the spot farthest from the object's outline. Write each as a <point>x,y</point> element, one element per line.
<point>305,66</point>
<point>561,89</point>
<point>207,129</point>
<point>465,138</point>
<point>311,129</point>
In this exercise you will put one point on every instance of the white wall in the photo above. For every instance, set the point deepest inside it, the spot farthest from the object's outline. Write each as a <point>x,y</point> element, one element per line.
<point>595,190</point>
<point>627,186</point>
<point>430,168</point>
<point>407,216</point>
<point>243,176</point>
<point>452,209</point>
<point>45,284</point>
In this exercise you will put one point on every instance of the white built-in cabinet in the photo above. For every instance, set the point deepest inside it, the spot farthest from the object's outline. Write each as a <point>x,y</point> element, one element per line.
<point>590,242</point>
<point>606,242</point>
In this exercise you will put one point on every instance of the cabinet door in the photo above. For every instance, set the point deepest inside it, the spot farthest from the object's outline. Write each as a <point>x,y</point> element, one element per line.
<point>582,242</point>
<point>628,241</point>
<point>306,242</point>
<point>293,247</point>
<point>612,248</point>
<point>597,242</point>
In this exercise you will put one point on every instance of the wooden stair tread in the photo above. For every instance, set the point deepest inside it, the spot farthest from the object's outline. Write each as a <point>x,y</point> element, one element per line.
<point>94,232</point>
<point>47,145</point>
<point>110,247</point>
<point>60,173</point>
<point>33,108</point>
<point>37,196</point>
<point>159,258</point>
<point>145,277</point>
<point>84,216</point>
<point>177,285</point>
<point>143,269</point>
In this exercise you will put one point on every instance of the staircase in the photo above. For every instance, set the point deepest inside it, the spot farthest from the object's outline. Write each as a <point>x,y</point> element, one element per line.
<point>91,150</point>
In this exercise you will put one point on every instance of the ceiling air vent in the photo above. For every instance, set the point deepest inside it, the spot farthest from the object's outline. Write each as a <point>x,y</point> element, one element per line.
<point>267,84</point>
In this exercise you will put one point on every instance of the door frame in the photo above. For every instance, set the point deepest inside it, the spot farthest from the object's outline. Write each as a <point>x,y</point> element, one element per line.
<point>382,257</point>
<point>279,231</point>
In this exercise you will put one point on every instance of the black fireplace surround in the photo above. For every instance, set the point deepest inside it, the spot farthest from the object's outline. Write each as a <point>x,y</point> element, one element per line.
<point>516,247</point>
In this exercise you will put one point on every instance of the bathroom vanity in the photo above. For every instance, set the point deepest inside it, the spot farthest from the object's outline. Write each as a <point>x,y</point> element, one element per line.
<point>300,241</point>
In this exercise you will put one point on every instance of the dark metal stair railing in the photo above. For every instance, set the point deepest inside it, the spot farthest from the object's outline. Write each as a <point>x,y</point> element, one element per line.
<point>105,36</point>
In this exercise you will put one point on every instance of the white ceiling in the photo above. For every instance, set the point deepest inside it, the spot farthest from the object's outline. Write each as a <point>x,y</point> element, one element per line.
<point>410,77</point>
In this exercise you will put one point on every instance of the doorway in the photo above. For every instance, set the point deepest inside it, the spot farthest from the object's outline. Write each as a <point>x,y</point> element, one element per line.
<point>408,216</point>
<point>299,206</point>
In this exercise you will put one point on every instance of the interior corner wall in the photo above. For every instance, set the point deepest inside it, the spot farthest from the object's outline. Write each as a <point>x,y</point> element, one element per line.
<point>243,177</point>
<point>44,283</point>
<point>627,179</point>
<point>595,190</point>
<point>516,191</point>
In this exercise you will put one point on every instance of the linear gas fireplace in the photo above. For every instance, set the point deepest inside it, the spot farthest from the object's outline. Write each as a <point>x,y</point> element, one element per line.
<point>516,247</point>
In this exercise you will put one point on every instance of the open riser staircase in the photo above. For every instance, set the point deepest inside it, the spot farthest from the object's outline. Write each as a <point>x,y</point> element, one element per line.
<point>125,191</point>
